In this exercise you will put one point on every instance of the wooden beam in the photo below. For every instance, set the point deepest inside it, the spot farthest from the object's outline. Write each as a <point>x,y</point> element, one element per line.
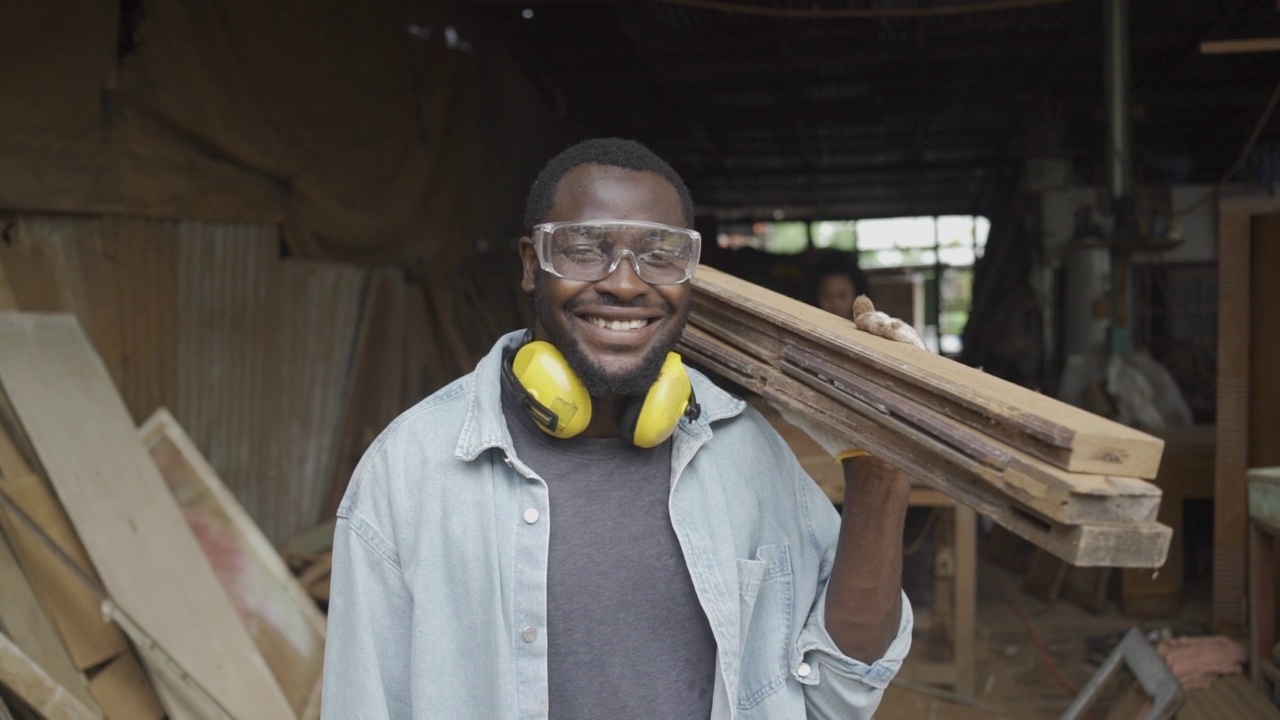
<point>125,515</point>
<point>1243,45</point>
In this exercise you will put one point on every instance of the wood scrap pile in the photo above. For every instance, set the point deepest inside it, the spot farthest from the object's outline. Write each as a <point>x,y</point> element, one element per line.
<point>1071,482</point>
<point>132,584</point>
<point>310,557</point>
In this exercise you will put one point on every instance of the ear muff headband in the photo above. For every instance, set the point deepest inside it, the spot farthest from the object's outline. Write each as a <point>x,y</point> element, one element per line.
<point>547,379</point>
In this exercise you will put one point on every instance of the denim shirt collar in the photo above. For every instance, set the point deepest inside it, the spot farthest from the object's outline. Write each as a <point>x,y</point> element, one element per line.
<point>485,425</point>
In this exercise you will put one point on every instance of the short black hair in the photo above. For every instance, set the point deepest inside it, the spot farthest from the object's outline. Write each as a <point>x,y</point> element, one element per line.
<point>615,152</point>
<point>837,262</point>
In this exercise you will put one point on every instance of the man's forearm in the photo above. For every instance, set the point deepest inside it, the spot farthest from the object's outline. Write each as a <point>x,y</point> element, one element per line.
<point>864,594</point>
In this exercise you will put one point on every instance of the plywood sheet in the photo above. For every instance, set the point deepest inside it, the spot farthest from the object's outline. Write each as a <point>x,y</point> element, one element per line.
<point>128,520</point>
<point>284,622</point>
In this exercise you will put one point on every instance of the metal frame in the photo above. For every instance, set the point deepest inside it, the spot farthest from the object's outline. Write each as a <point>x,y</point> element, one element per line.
<point>1153,674</point>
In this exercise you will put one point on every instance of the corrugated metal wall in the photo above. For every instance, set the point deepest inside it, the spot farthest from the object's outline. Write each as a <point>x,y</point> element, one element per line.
<point>282,370</point>
<point>262,353</point>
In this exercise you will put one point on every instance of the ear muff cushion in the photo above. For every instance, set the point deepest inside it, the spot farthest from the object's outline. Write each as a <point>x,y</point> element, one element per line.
<point>664,405</point>
<point>547,377</point>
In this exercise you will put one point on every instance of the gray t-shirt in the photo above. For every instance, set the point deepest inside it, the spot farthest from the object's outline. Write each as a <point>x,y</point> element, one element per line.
<point>626,635</point>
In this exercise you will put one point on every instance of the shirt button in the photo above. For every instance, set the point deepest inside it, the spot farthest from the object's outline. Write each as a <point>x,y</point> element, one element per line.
<point>529,634</point>
<point>531,516</point>
<point>803,670</point>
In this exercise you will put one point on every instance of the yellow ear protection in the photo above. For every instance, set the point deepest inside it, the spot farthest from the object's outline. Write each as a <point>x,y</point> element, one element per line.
<point>558,402</point>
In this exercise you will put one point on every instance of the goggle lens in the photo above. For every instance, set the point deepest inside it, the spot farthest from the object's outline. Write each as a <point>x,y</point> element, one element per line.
<point>591,251</point>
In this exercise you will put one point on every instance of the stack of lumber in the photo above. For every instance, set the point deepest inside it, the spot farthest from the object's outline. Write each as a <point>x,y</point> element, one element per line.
<point>1069,481</point>
<point>132,583</point>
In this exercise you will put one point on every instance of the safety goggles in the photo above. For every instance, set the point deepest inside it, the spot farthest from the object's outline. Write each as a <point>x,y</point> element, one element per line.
<point>591,251</point>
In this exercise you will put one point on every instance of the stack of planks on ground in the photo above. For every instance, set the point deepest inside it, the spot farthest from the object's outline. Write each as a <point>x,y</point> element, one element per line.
<point>1069,481</point>
<point>132,584</point>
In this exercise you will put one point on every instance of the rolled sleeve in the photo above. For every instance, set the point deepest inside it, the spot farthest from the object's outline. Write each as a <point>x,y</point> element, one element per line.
<point>834,683</point>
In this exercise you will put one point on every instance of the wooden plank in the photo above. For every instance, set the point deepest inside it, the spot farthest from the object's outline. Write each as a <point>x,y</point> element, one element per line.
<point>124,692</point>
<point>27,624</point>
<point>765,323</point>
<point>26,679</point>
<point>1131,544</point>
<point>1241,45</point>
<point>284,622</point>
<point>130,524</point>
<point>1057,494</point>
<point>74,611</point>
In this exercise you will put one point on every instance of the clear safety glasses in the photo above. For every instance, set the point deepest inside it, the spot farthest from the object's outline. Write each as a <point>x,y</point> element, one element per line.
<point>591,251</point>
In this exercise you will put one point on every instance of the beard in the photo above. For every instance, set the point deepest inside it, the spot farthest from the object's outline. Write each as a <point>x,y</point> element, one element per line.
<point>598,381</point>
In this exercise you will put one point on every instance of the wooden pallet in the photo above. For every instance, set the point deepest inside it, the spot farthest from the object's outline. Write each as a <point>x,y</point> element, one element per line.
<point>1064,479</point>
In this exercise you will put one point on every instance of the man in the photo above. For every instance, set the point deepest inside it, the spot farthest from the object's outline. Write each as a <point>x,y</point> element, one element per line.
<point>648,548</point>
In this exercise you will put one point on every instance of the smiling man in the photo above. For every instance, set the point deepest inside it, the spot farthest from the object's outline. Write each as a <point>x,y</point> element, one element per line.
<point>583,528</point>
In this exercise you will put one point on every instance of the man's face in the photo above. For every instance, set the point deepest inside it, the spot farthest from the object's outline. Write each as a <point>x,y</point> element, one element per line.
<point>614,332</point>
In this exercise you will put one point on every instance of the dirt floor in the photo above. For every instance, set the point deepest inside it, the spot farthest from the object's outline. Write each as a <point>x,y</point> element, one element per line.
<point>1013,678</point>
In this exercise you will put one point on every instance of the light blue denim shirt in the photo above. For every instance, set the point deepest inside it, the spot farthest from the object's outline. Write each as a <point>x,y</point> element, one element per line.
<point>438,606</point>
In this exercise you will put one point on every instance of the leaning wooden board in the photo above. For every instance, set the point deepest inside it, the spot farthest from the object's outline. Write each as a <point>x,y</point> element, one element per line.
<point>766,323</point>
<point>285,623</point>
<point>125,515</point>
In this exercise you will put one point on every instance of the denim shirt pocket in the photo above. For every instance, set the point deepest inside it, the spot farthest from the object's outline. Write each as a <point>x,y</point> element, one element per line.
<point>765,595</point>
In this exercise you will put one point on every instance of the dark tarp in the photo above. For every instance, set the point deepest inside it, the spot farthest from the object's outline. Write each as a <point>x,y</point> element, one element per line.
<point>372,131</point>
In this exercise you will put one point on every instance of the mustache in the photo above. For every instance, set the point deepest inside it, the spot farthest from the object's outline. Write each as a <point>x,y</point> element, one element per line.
<point>612,301</point>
